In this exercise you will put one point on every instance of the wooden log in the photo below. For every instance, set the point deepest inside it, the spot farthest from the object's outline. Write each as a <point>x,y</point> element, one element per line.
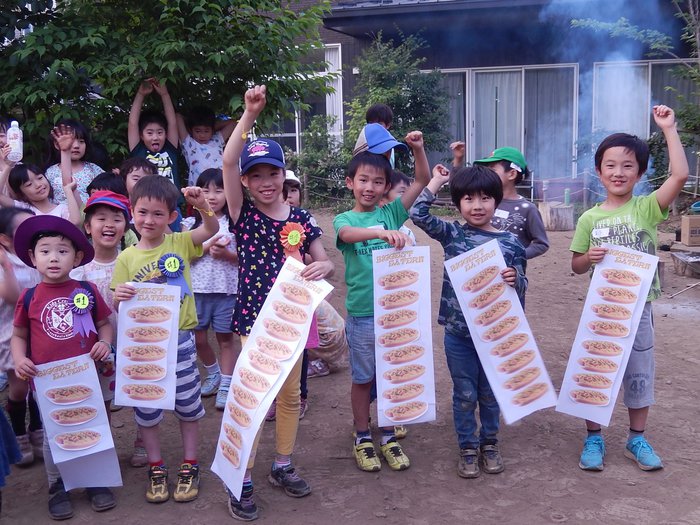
<point>557,216</point>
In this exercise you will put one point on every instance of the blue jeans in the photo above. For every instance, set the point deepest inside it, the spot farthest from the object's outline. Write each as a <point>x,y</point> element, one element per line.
<point>470,387</point>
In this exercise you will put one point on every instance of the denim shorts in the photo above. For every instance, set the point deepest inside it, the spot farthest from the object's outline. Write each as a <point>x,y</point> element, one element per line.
<point>638,380</point>
<point>215,310</point>
<point>360,335</point>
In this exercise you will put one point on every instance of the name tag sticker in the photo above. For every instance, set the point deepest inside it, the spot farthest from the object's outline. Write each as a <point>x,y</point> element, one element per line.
<point>600,233</point>
<point>501,214</point>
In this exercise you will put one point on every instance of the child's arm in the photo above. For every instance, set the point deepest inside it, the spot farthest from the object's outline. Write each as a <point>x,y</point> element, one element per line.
<point>24,367</point>
<point>5,168</point>
<point>101,349</point>
<point>415,141</point>
<point>210,224</point>
<point>74,215</point>
<point>420,213</point>
<point>218,251</point>
<point>145,89</point>
<point>353,234</point>
<point>582,262</point>
<point>64,136</point>
<point>254,104</point>
<point>181,127</point>
<point>9,287</point>
<point>168,109</point>
<point>225,127</point>
<point>677,161</point>
<point>459,150</point>
<point>539,243</point>
<point>321,267</point>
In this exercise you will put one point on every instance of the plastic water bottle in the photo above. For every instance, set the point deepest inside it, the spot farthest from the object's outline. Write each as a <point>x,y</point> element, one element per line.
<point>14,140</point>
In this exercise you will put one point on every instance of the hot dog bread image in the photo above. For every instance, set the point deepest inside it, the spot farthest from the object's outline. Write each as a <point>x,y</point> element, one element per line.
<point>515,363</point>
<point>481,280</point>
<point>604,348</point>
<point>404,374</point>
<point>398,299</point>
<point>254,381</point>
<point>592,381</point>
<point>399,279</point>
<point>144,392</point>
<point>273,348</point>
<point>73,416</point>
<point>405,354</point>
<point>264,363</point>
<point>290,312</point>
<point>407,411</point>
<point>589,397</point>
<point>280,330</point>
<point>230,453</point>
<point>510,345</point>
<point>147,334</point>
<point>598,364</point>
<point>295,293</point>
<point>403,393</point>
<point>501,328</point>
<point>621,277</point>
<point>79,440</point>
<point>522,379</point>
<point>239,415</point>
<point>398,337</point>
<point>612,311</point>
<point>144,353</point>
<point>488,296</point>
<point>149,314</point>
<point>398,318</point>
<point>617,295</point>
<point>233,436</point>
<point>530,394</point>
<point>608,328</point>
<point>68,395</point>
<point>144,372</point>
<point>244,397</point>
<point>493,313</point>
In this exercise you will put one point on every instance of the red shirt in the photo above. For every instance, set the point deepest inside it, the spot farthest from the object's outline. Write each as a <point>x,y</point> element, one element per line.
<point>50,322</point>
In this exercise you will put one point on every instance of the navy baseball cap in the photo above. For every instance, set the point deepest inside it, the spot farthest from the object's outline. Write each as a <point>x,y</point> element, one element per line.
<point>375,138</point>
<point>261,151</point>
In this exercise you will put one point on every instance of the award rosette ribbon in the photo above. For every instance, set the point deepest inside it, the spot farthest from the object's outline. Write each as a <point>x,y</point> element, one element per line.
<point>81,304</point>
<point>292,237</point>
<point>172,267</point>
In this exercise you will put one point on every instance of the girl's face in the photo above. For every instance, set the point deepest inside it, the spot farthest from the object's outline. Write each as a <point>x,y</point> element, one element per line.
<point>264,182</point>
<point>77,151</point>
<point>215,197</point>
<point>133,177</point>
<point>202,134</point>
<point>36,188</point>
<point>5,240</point>
<point>106,227</point>
<point>293,197</point>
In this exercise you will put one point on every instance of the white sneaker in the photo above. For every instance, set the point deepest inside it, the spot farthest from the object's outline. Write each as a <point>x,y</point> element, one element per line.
<point>211,384</point>
<point>221,396</point>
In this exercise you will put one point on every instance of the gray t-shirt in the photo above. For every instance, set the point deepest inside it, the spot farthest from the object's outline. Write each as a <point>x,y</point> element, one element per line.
<point>521,217</point>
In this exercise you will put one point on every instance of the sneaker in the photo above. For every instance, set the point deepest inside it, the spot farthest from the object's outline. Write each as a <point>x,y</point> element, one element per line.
<point>221,397</point>
<point>592,454</point>
<point>468,465</point>
<point>36,438</point>
<point>640,450</point>
<point>115,408</point>
<point>317,368</point>
<point>244,509</point>
<point>187,487</point>
<point>366,457</point>
<point>400,431</point>
<point>26,450</point>
<point>60,507</point>
<point>139,458</point>
<point>491,460</point>
<point>393,453</point>
<point>272,412</point>
<point>157,490</point>
<point>303,406</point>
<point>210,385</point>
<point>4,382</point>
<point>101,498</point>
<point>287,478</point>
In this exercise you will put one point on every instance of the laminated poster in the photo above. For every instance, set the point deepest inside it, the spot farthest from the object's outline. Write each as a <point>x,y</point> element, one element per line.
<point>404,336</point>
<point>605,336</point>
<point>147,333</point>
<point>75,421</point>
<point>274,345</point>
<point>507,349</point>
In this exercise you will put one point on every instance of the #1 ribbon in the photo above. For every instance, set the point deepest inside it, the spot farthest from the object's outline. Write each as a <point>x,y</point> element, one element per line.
<point>172,267</point>
<point>82,303</point>
<point>292,237</point>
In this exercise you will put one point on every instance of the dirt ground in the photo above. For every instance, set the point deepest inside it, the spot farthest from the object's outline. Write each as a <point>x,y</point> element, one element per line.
<point>541,484</point>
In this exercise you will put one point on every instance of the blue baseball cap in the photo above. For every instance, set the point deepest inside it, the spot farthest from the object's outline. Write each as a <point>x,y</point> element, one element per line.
<point>261,151</point>
<point>375,138</point>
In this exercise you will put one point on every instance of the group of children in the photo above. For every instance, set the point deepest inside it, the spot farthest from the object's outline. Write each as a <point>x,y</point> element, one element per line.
<point>231,253</point>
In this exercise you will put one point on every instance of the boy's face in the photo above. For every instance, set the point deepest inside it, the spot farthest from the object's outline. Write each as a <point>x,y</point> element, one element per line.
<point>367,187</point>
<point>264,182</point>
<point>293,196</point>
<point>151,218</point>
<point>507,177</point>
<point>133,177</point>
<point>153,136</point>
<point>106,227</point>
<point>397,191</point>
<point>202,134</point>
<point>54,258</point>
<point>619,171</point>
<point>477,210</point>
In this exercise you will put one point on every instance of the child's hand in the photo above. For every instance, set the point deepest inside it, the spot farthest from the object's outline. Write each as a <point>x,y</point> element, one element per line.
<point>664,117</point>
<point>255,99</point>
<point>25,369</point>
<point>100,351</point>
<point>159,86</point>
<point>414,139</point>
<point>441,173</point>
<point>146,87</point>
<point>317,270</point>
<point>70,188</point>
<point>458,149</point>
<point>596,254</point>
<point>509,275</point>
<point>124,292</point>
<point>195,196</point>
<point>5,263</point>
<point>394,238</point>
<point>63,137</point>
<point>219,252</point>
<point>4,152</point>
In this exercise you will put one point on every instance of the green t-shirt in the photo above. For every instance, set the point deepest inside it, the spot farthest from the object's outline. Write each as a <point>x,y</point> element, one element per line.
<point>141,266</point>
<point>632,225</point>
<point>358,256</point>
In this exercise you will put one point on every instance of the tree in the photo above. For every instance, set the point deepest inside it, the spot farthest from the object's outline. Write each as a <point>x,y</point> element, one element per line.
<point>391,74</point>
<point>85,58</point>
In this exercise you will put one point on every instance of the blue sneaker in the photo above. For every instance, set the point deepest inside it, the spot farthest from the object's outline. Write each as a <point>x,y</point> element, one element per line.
<point>593,453</point>
<point>210,386</point>
<point>641,451</point>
